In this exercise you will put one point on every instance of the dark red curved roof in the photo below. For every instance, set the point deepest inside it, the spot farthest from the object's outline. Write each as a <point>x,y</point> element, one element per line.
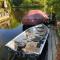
<point>34,17</point>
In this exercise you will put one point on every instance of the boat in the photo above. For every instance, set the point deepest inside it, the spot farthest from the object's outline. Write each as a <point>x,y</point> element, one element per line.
<point>30,41</point>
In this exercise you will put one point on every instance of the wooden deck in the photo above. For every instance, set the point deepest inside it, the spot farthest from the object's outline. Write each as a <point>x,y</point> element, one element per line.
<point>52,41</point>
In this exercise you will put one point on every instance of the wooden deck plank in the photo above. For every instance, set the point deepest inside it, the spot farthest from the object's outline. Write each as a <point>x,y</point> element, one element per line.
<point>52,45</point>
<point>49,47</point>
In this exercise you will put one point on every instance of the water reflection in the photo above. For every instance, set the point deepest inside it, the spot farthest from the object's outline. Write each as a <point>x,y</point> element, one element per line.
<point>8,34</point>
<point>5,36</point>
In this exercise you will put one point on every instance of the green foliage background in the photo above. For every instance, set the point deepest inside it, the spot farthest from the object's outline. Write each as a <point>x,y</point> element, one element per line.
<point>47,6</point>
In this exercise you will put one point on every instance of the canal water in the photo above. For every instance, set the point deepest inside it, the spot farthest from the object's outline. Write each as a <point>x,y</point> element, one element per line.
<point>5,36</point>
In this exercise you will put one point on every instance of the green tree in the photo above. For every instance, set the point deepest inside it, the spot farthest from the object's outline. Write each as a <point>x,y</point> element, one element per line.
<point>17,2</point>
<point>45,5</point>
